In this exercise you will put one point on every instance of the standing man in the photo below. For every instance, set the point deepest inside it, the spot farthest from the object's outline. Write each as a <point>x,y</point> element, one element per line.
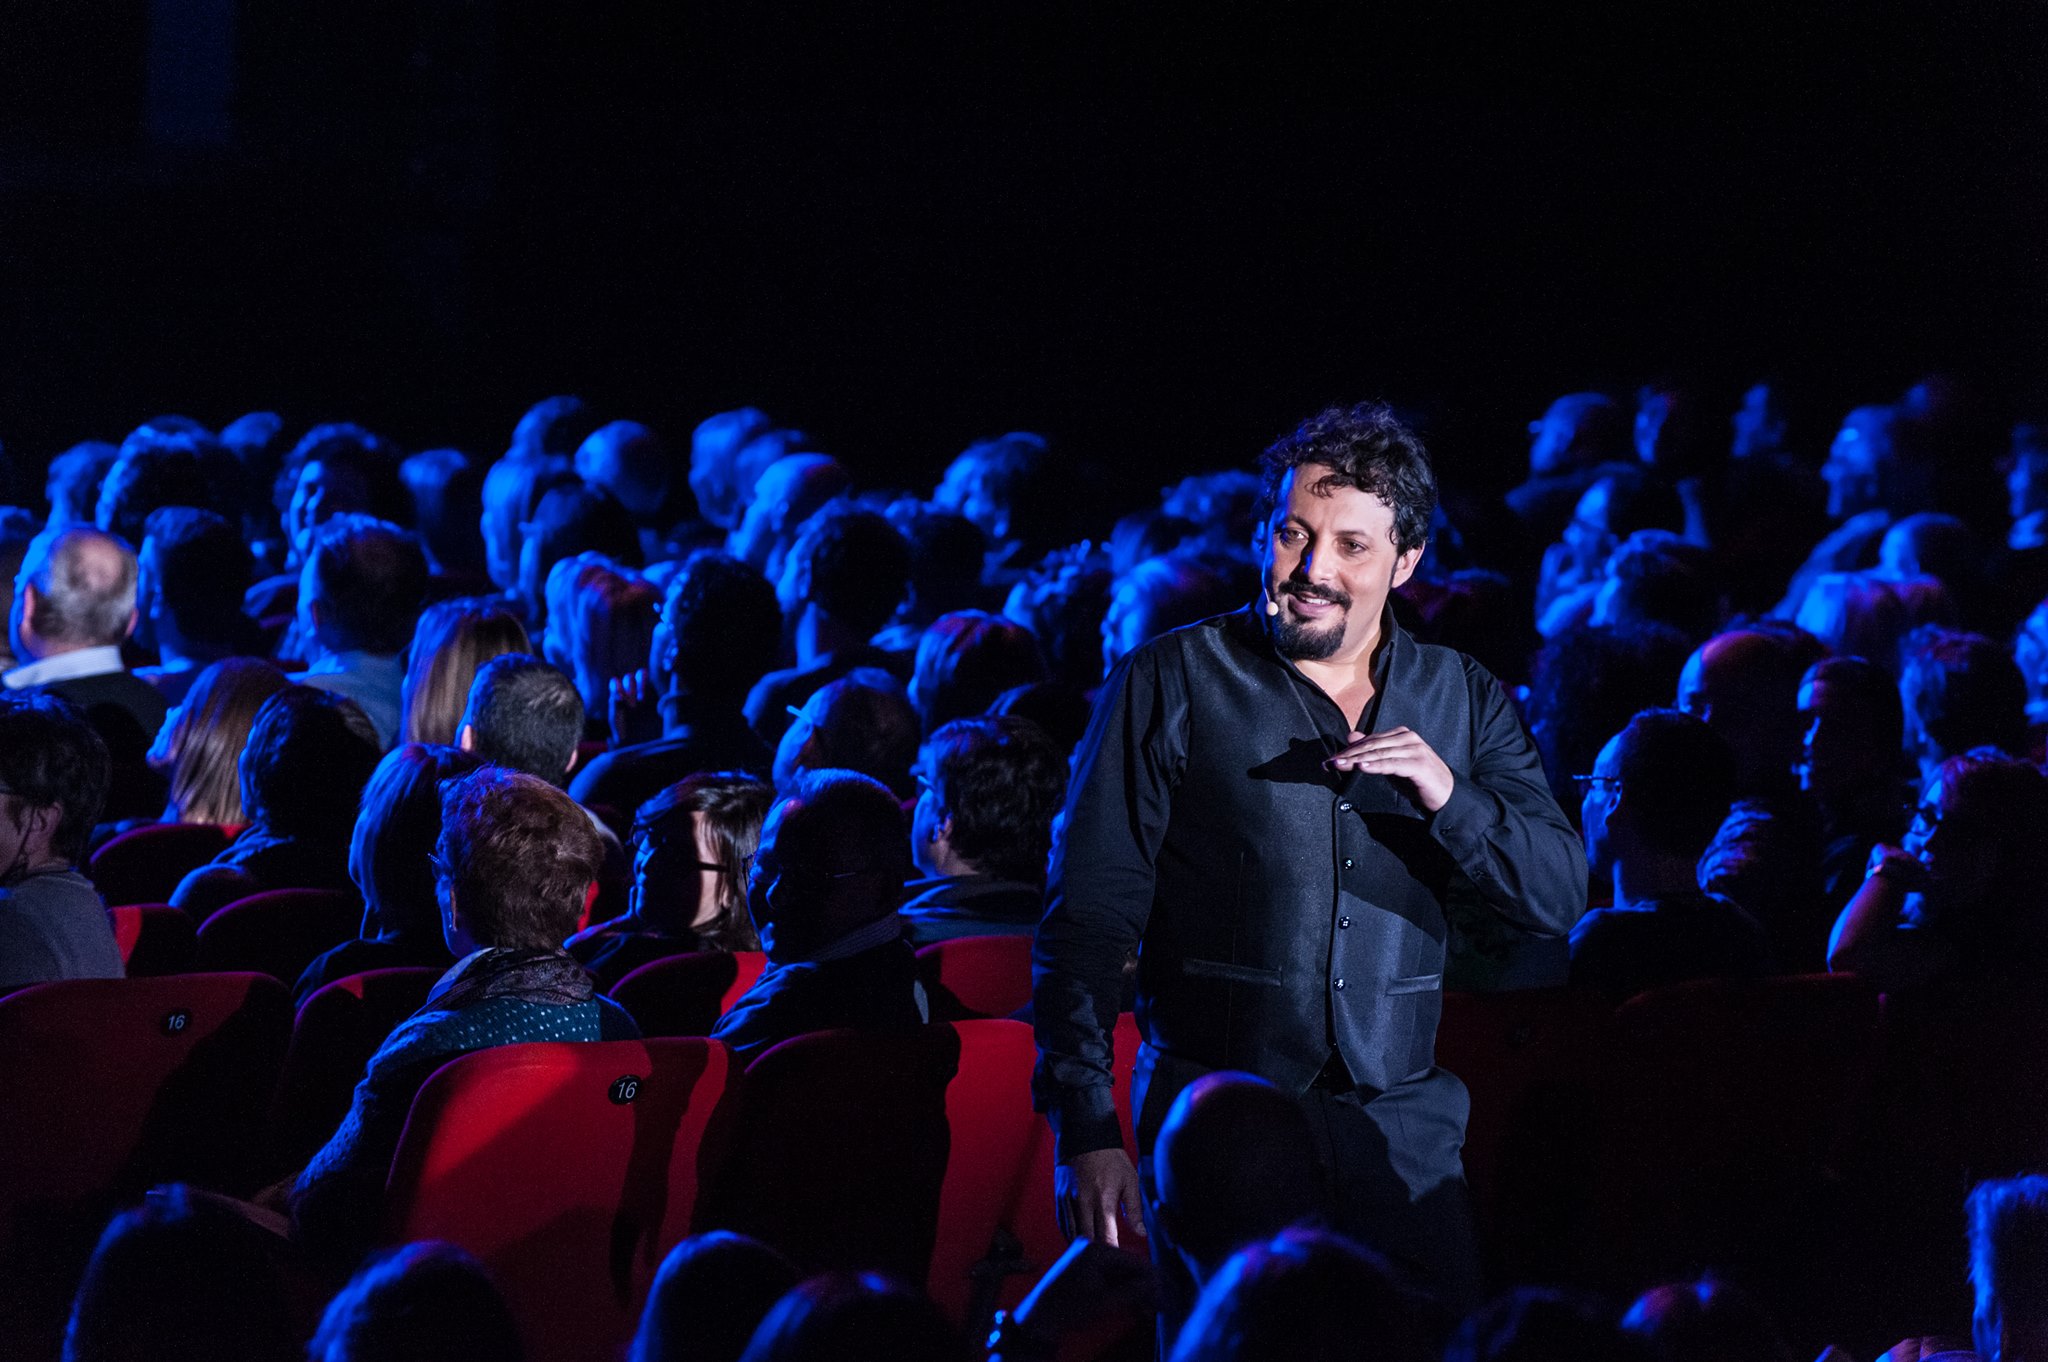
<point>1274,806</point>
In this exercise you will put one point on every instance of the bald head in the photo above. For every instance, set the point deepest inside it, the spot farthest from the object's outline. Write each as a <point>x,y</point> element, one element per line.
<point>629,461</point>
<point>1234,1163</point>
<point>790,491</point>
<point>77,592</point>
<point>1745,684</point>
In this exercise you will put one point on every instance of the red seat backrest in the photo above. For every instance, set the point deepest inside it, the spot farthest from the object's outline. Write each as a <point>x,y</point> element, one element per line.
<point>978,976</point>
<point>115,1084</point>
<point>144,865</point>
<point>277,932</point>
<point>336,1032</point>
<point>898,1150</point>
<point>685,995</point>
<point>154,938</point>
<point>569,1170</point>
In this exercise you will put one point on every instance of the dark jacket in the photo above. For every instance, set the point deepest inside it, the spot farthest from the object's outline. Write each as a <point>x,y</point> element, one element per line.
<point>126,712</point>
<point>872,990</point>
<point>697,735</point>
<point>1286,912</point>
<point>947,906</point>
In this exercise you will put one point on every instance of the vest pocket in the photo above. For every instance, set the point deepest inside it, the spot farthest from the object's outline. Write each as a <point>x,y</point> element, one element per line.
<point>1236,974</point>
<point>1415,983</point>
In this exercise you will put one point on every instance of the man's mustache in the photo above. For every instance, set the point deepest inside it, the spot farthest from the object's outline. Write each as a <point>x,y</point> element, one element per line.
<point>1315,593</point>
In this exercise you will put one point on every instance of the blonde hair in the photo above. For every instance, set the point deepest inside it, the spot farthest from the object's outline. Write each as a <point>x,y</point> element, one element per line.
<point>453,639</point>
<point>201,743</point>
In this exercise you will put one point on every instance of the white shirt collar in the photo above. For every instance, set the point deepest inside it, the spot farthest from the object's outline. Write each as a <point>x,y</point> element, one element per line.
<point>101,661</point>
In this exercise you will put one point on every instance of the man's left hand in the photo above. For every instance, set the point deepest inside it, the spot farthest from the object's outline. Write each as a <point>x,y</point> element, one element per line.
<point>1399,752</point>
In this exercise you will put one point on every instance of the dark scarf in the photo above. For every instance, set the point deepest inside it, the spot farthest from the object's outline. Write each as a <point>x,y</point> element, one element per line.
<point>531,975</point>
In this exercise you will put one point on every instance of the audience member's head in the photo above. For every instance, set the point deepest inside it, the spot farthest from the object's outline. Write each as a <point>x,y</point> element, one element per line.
<point>53,780</point>
<point>523,715</point>
<point>190,575</point>
<point>790,491</point>
<point>1621,502</point>
<point>200,745</point>
<point>1657,578</point>
<point>1015,489</point>
<point>1977,836</point>
<point>1223,504</point>
<point>18,530</point>
<point>514,864</point>
<point>990,788</point>
<point>862,722</point>
<point>2008,1219</point>
<point>390,856</point>
<point>946,556</point>
<point>965,660</point>
<point>717,477</point>
<point>338,470</point>
<point>1657,794</point>
<point>571,520</point>
<point>1306,1296</point>
<point>1960,691</point>
<point>75,590</point>
<point>1543,1324</point>
<point>452,640</point>
<point>1064,605</point>
<point>850,566</point>
<point>629,461</point>
<point>1853,728</point>
<point>1165,593</point>
<point>717,635</point>
<point>844,1316</point>
<point>310,752</point>
<point>610,628</point>
<point>1745,685</point>
<point>1862,469</point>
<point>1587,683</point>
<point>1235,1163</point>
<point>1857,614</point>
<point>691,847</point>
<point>712,1292</point>
<point>1675,431</point>
<point>513,489</point>
<point>447,489</point>
<point>1060,711</point>
<point>1762,422</point>
<point>155,468</point>
<point>552,428</point>
<point>73,485</point>
<point>183,1278</point>
<point>1709,1320</point>
<point>832,860</point>
<point>424,1302</point>
<point>1578,430</point>
<point>362,586</point>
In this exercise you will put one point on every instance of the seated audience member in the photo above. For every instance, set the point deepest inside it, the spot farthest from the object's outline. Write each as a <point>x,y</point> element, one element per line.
<point>514,864</point>
<point>310,752</point>
<point>1059,710</point>
<point>845,1315</point>
<point>74,606</point>
<point>1482,614</point>
<point>523,715</point>
<point>712,1292</point>
<point>53,777</point>
<point>989,788</point>
<point>453,639</point>
<point>424,1302</point>
<point>251,440</point>
<point>18,530</point>
<point>1584,687</point>
<point>1306,1296</point>
<point>199,747</point>
<point>711,646</point>
<point>1856,614</point>
<point>156,467</point>
<point>1852,764</point>
<point>1147,534</point>
<point>571,520</point>
<point>946,553</point>
<point>721,478</point>
<point>447,490</point>
<point>1658,791</point>
<point>390,858</point>
<point>2008,1236</point>
<point>1577,434</point>
<point>789,492</point>
<point>1161,594</point>
<point>359,599</point>
<point>1620,502</point>
<point>73,484</point>
<point>1542,1324</point>
<point>552,428</point>
<point>862,722</point>
<point>513,489</point>
<point>335,469</point>
<point>611,621</point>
<point>691,846</point>
<point>630,461</point>
<point>1063,602</point>
<point>967,659</point>
<point>824,890</point>
<point>1960,692</point>
<point>1657,578</point>
<point>1706,1321</point>
<point>184,1277</point>
<point>1019,493</point>
<point>1963,901</point>
<point>1943,548</point>
<point>190,576</point>
<point>846,576</point>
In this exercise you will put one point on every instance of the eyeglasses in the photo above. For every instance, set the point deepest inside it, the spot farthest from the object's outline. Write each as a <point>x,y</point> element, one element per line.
<point>1587,783</point>
<point>769,872</point>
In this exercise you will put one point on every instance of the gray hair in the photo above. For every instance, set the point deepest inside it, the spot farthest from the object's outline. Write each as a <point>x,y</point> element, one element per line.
<point>85,588</point>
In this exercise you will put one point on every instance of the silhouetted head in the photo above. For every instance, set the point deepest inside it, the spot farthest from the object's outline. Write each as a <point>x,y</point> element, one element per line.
<point>1960,691</point>
<point>851,564</point>
<point>523,715</point>
<point>1578,430</point>
<point>629,461</point>
<point>513,489</point>
<point>989,789</point>
<point>73,484</point>
<point>1745,685</point>
<point>571,520</point>
<point>1706,1321</point>
<point>390,855</point>
<point>1162,594</point>
<point>844,1316</point>
<point>1660,788</point>
<point>190,576</point>
<point>310,752</point>
<point>338,470</point>
<point>156,467</point>
<point>965,660</point>
<point>718,632</point>
<point>425,1302</point>
<point>861,722</point>
<point>1235,1163</point>
<point>447,490</point>
<point>791,490</point>
<point>53,781</point>
<point>832,860</point>
<point>1306,1296</point>
<point>712,1292</point>
<point>363,586</point>
<point>1852,727</point>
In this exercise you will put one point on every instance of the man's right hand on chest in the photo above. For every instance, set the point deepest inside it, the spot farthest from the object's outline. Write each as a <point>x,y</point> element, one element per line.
<point>1092,1190</point>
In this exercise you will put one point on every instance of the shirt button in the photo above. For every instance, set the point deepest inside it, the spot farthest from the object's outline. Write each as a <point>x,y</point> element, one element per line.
<point>1340,985</point>
<point>1343,922</point>
<point>1347,862</point>
<point>1346,806</point>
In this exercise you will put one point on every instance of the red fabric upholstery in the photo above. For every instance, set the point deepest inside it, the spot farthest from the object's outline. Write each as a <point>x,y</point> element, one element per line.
<point>278,932</point>
<point>977,976</point>
<point>569,1169</point>
<point>154,938</point>
<point>685,995</point>
<point>335,1034</point>
<point>143,865</point>
<point>115,1084</point>
<point>895,1150</point>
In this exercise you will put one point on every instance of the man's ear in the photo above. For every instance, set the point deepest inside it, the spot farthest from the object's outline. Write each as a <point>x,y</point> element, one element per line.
<point>466,739</point>
<point>575,756</point>
<point>134,618</point>
<point>30,600</point>
<point>1404,566</point>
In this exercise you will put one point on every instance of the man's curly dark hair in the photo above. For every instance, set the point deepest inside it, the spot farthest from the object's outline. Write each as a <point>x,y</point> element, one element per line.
<point>1368,448</point>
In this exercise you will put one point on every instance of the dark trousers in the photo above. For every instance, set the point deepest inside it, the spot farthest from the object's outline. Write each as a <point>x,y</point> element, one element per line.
<point>1393,1158</point>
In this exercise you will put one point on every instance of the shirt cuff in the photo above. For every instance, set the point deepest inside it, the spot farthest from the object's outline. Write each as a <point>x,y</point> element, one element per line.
<point>1083,1123</point>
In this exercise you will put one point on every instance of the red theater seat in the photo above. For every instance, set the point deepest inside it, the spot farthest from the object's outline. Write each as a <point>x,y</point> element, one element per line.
<point>336,1032</point>
<point>893,1150</point>
<point>144,865</point>
<point>568,1169</point>
<point>115,1084</point>
<point>977,976</point>
<point>277,932</point>
<point>685,995</point>
<point>154,938</point>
